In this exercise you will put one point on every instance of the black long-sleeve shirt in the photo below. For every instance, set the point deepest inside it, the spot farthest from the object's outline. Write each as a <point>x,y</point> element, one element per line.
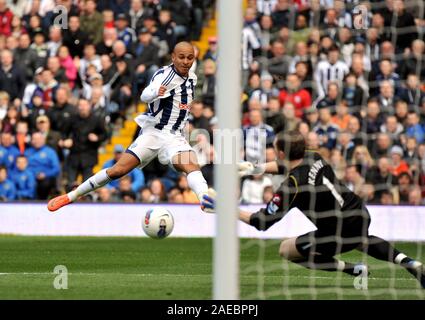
<point>313,188</point>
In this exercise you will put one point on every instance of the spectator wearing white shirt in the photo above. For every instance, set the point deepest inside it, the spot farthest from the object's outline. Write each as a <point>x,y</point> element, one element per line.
<point>331,69</point>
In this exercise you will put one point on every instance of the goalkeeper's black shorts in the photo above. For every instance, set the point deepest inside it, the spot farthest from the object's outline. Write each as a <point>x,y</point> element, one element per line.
<point>335,236</point>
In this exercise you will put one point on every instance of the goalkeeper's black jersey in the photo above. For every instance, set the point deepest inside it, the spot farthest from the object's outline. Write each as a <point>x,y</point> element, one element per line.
<point>313,188</point>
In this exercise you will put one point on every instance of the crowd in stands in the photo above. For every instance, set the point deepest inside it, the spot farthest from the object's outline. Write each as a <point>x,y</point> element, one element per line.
<point>349,75</point>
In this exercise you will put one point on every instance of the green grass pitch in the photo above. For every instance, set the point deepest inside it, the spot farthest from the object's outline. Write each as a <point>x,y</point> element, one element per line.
<point>180,268</point>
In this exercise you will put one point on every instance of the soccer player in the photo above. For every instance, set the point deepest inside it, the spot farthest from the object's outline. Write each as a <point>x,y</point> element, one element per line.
<point>169,96</point>
<point>340,216</point>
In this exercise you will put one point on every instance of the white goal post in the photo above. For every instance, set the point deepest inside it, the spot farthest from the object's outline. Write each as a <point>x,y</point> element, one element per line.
<point>226,242</point>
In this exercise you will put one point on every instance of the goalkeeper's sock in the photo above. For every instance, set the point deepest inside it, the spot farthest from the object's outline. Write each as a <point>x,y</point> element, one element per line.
<point>197,183</point>
<point>381,249</point>
<point>325,263</point>
<point>94,182</point>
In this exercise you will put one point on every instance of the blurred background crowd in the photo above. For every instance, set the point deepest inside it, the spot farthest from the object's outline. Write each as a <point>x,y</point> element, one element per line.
<point>349,75</point>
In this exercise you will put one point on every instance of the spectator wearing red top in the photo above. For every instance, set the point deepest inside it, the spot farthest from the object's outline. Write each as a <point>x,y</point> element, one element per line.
<point>398,164</point>
<point>300,98</point>
<point>6,17</point>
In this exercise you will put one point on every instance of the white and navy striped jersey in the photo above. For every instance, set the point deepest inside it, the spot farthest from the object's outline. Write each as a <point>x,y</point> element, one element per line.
<point>170,111</point>
<point>326,72</point>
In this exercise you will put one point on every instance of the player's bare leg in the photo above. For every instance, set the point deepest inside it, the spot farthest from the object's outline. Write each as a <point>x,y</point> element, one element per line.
<point>187,162</point>
<point>289,251</point>
<point>125,164</point>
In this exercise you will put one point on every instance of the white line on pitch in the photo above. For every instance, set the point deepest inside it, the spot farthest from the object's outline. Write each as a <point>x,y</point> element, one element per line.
<point>186,275</point>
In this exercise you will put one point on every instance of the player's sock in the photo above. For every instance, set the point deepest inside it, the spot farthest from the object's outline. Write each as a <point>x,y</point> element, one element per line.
<point>197,183</point>
<point>383,250</point>
<point>94,182</point>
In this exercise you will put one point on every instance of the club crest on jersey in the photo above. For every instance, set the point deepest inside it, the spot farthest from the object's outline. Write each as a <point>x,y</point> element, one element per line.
<point>184,106</point>
<point>274,205</point>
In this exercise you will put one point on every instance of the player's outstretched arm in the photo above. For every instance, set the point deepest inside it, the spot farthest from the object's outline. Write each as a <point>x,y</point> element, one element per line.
<point>152,92</point>
<point>247,168</point>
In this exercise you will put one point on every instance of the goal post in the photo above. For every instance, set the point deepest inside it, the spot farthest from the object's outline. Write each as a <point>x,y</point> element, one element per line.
<point>226,241</point>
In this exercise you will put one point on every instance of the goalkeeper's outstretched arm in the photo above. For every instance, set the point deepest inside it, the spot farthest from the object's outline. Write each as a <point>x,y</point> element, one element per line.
<point>247,168</point>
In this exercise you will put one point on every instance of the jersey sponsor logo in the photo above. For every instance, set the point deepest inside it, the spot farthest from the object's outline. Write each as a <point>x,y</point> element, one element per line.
<point>274,205</point>
<point>184,106</point>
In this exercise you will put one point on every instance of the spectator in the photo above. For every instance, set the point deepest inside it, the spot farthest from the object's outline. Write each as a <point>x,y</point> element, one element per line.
<point>52,137</point>
<point>125,191</point>
<point>67,63</point>
<point>125,33</point>
<point>414,63</point>
<point>55,40</point>
<point>278,62</point>
<point>147,60</point>
<point>104,195</point>
<point>75,38</point>
<point>266,91</point>
<point>373,119</point>
<point>354,180</point>
<point>326,130</point>
<point>12,152</point>
<point>24,179</point>
<point>352,92</point>
<point>137,179</point>
<point>165,29</point>
<point>6,17</point>
<point>146,195</point>
<point>12,78</point>
<point>175,196</point>
<point>157,190</point>
<point>253,189</point>
<point>257,136</point>
<point>7,188</point>
<point>415,196</point>
<point>300,98</point>
<point>196,118</point>
<point>275,117</point>
<point>414,128</point>
<point>62,111</point>
<point>208,84</point>
<point>392,127</point>
<point>27,57</point>
<point>399,166</point>
<point>181,16</point>
<point>91,19</point>
<point>188,195</point>
<point>85,135</point>
<point>331,99</point>
<point>404,182</point>
<point>413,94</point>
<point>44,164</point>
<point>330,70</point>
<point>137,14</point>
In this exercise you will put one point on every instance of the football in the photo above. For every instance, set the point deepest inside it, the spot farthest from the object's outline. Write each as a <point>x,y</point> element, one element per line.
<point>158,223</point>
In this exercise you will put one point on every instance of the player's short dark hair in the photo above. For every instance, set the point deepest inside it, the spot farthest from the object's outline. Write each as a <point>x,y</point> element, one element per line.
<point>292,143</point>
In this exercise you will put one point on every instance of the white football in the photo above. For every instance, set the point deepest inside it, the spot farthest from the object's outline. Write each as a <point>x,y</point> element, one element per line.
<point>158,223</point>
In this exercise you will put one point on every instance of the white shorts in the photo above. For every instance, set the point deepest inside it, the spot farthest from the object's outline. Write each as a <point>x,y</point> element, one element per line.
<point>153,143</point>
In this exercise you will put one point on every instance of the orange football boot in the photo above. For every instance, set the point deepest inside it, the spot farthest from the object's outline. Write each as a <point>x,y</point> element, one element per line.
<point>58,202</point>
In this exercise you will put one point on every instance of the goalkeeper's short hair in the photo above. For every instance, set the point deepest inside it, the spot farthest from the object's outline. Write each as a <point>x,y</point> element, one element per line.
<point>292,143</point>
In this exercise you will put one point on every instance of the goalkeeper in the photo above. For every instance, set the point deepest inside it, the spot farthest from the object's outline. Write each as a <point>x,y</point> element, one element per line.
<point>340,216</point>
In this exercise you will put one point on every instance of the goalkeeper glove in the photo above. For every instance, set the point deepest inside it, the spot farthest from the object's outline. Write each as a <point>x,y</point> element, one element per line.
<point>246,168</point>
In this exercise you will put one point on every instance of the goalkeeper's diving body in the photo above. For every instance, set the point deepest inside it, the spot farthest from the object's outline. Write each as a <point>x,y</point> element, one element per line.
<point>169,96</point>
<point>341,218</point>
